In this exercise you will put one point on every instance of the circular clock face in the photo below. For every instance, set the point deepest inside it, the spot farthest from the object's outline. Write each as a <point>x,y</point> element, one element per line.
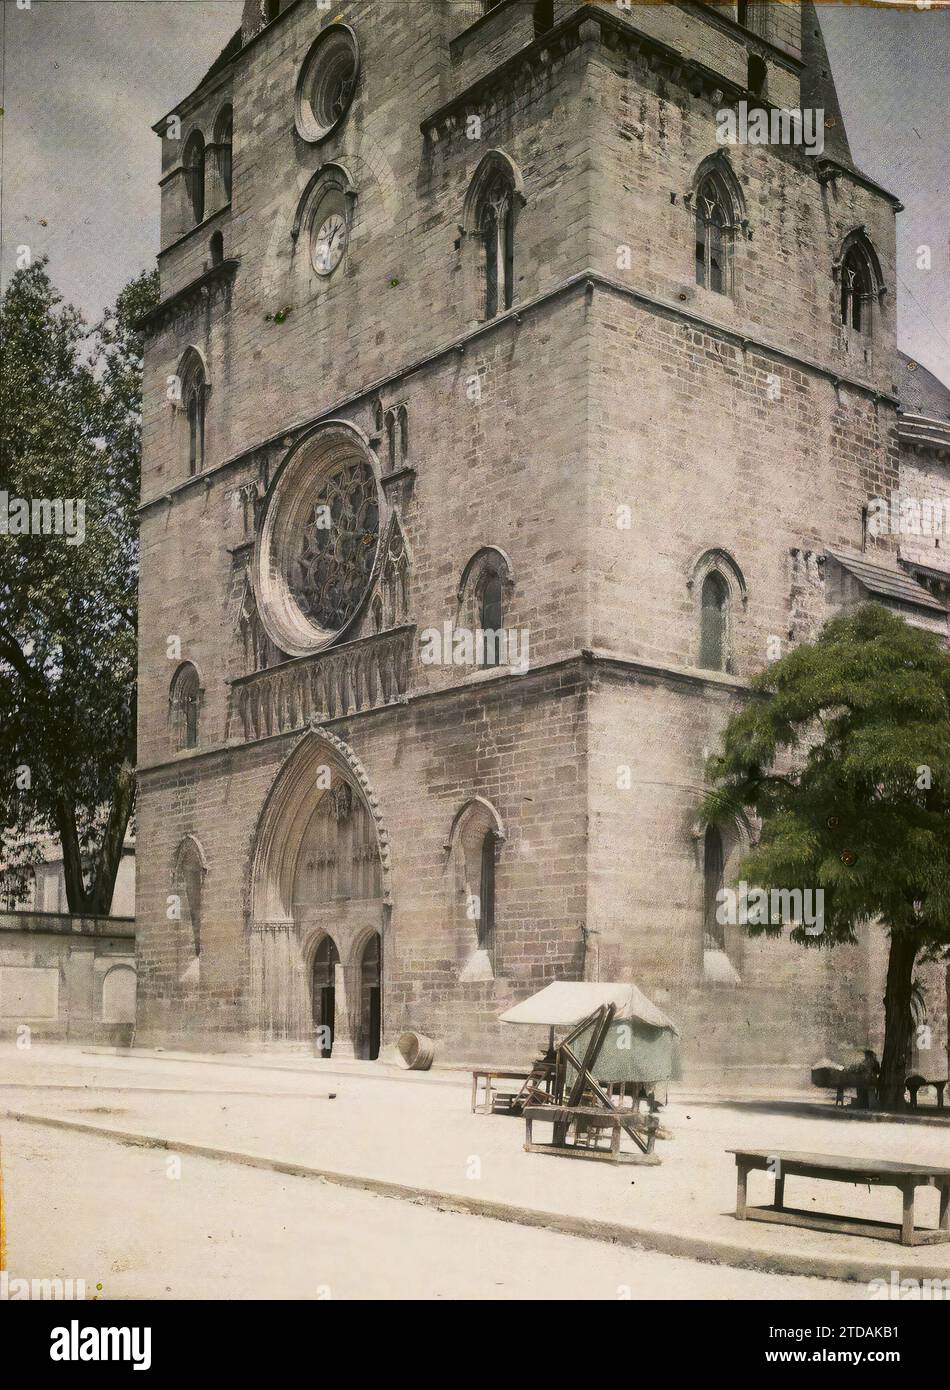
<point>329,244</point>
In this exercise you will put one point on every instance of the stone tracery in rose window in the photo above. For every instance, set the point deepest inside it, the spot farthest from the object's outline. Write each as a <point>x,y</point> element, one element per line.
<point>334,562</point>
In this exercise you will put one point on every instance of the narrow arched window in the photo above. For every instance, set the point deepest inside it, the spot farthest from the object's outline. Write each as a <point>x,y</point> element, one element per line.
<point>491,618</point>
<point>758,75</point>
<point>189,876</point>
<point>194,164</point>
<point>714,233</point>
<point>216,247</point>
<point>713,617</point>
<point>223,136</point>
<point>496,229</point>
<point>391,441</point>
<point>185,701</point>
<point>486,896</point>
<point>489,227</point>
<point>476,835</point>
<point>194,395</point>
<point>543,17</point>
<point>856,290</point>
<point>714,937</point>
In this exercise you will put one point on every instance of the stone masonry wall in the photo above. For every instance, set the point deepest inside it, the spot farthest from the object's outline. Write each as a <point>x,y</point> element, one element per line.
<point>793,1004</point>
<point>635,388</point>
<point>518,742</point>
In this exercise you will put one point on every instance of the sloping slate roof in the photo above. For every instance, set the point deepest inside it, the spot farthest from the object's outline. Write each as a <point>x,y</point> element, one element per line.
<point>568,1002</point>
<point>919,391</point>
<point>878,579</point>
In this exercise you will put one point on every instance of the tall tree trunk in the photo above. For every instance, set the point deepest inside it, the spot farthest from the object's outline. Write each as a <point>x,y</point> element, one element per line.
<point>96,899</point>
<point>106,861</point>
<point>898,1021</point>
<point>76,899</point>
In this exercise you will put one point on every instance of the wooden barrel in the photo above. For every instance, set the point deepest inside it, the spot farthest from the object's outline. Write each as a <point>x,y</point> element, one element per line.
<point>415,1051</point>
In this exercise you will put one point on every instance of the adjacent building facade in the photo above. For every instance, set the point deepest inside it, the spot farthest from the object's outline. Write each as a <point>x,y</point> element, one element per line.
<point>64,976</point>
<point>470,325</point>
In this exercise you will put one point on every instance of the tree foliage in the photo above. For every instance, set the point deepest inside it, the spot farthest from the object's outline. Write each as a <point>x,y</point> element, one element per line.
<point>844,757</point>
<point>70,431</point>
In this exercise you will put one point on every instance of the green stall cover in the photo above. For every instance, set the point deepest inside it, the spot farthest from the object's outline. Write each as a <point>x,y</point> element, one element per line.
<point>631,1051</point>
<point>641,1043</point>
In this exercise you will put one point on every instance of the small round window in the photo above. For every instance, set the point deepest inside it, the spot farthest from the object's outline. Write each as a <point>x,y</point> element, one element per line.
<point>327,83</point>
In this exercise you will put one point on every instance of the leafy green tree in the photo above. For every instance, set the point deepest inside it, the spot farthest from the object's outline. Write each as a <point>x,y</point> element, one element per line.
<point>844,757</point>
<point>70,427</point>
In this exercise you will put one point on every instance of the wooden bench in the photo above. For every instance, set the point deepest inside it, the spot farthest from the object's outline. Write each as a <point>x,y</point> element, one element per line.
<point>907,1177</point>
<point>489,1075</point>
<point>913,1084</point>
<point>868,1091</point>
<point>585,1117</point>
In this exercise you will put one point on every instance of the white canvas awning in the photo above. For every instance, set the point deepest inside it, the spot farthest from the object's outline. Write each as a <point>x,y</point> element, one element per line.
<point>565,1003</point>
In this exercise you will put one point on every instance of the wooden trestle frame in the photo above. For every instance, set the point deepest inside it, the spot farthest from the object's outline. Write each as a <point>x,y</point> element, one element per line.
<point>603,1114</point>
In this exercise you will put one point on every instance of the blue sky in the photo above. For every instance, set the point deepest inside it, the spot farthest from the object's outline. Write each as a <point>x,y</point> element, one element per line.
<point>85,80</point>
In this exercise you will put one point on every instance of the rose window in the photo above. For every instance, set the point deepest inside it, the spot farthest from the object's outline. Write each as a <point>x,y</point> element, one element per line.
<point>318,545</point>
<point>331,568</point>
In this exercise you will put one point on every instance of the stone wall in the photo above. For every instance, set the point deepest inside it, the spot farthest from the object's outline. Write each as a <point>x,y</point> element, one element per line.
<point>516,741</point>
<point>65,977</point>
<point>746,426</point>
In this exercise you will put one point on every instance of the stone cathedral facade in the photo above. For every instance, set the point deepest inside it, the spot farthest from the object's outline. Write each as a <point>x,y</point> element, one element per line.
<point>500,423</point>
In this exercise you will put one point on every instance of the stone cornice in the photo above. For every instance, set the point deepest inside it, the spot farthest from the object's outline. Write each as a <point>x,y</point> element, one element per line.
<point>662,671</point>
<point>494,682</point>
<point>188,296</point>
<point>584,281</point>
<point>67,924</point>
<point>830,169</point>
<point>556,43</point>
<point>188,103</point>
<point>923,432</point>
<point>745,340</point>
<point>720,19</point>
<point>589,23</point>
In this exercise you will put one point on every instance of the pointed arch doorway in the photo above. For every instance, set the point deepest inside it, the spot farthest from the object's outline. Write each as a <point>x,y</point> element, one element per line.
<point>320,905</point>
<point>337,909</point>
<point>323,995</point>
<point>371,995</point>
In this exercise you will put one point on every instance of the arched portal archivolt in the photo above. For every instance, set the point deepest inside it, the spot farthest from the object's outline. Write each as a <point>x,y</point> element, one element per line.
<point>320,866</point>
<point>319,760</point>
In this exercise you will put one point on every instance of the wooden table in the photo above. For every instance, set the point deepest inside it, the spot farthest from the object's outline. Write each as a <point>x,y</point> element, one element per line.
<point>912,1090</point>
<point>489,1075</point>
<point>907,1177</point>
<point>591,1117</point>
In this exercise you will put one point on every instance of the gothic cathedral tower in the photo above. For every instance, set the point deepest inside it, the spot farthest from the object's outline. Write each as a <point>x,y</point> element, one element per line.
<point>509,404</point>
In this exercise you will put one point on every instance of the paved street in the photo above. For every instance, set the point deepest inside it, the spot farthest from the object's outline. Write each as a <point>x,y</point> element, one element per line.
<point>89,1206</point>
<point>85,1207</point>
